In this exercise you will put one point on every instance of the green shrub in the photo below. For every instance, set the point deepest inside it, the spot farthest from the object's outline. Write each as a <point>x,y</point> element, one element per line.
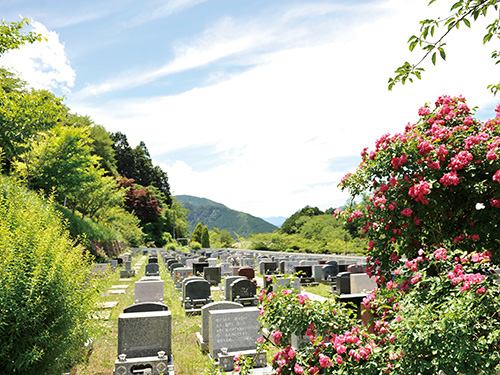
<point>195,245</point>
<point>46,293</point>
<point>170,246</point>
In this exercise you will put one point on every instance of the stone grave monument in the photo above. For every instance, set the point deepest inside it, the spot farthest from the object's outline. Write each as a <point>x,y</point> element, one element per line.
<point>144,343</point>
<point>203,335</point>
<point>233,332</point>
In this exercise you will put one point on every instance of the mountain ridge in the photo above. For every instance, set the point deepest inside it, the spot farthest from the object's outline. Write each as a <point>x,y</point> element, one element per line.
<point>214,214</point>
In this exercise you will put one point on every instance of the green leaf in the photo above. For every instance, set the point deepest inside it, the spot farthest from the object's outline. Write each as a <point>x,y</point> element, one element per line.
<point>467,22</point>
<point>442,53</point>
<point>455,6</point>
<point>434,58</point>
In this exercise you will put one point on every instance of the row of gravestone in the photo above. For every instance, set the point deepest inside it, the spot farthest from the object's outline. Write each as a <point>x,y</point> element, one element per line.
<point>144,330</point>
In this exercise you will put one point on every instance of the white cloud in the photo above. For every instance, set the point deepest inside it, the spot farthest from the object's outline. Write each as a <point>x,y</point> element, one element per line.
<point>44,65</point>
<point>277,126</point>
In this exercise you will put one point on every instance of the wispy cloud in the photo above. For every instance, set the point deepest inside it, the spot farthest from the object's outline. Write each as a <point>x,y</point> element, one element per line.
<point>246,42</point>
<point>164,9</point>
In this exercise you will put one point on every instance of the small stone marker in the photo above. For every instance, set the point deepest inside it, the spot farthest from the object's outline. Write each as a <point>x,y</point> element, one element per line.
<point>108,304</point>
<point>119,286</point>
<point>116,291</point>
<point>100,268</point>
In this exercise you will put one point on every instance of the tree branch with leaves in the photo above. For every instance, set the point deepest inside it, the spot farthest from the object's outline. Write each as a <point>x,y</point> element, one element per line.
<point>461,12</point>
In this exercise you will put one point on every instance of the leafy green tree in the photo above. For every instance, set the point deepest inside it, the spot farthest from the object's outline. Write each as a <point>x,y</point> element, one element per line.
<point>57,159</point>
<point>136,163</point>
<point>197,233</point>
<point>293,223</point>
<point>11,36</point>
<point>124,222</point>
<point>47,295</point>
<point>220,238</point>
<point>101,142</point>
<point>23,114</point>
<point>462,12</point>
<point>205,238</point>
<point>97,194</point>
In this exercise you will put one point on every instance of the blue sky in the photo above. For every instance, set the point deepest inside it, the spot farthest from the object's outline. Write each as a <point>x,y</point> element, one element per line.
<point>260,105</point>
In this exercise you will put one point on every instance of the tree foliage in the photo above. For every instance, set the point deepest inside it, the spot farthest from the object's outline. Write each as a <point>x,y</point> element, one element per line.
<point>462,12</point>
<point>197,233</point>
<point>136,163</point>
<point>23,114</point>
<point>205,237</point>
<point>12,37</point>
<point>57,159</point>
<point>293,223</point>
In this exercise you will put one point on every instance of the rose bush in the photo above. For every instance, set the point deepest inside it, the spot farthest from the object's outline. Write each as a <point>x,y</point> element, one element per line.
<point>439,312</point>
<point>432,221</point>
<point>335,342</point>
<point>436,184</point>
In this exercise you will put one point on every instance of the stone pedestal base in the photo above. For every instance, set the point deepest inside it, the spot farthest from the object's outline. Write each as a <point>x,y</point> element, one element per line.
<point>226,361</point>
<point>149,365</point>
<point>248,301</point>
<point>203,345</point>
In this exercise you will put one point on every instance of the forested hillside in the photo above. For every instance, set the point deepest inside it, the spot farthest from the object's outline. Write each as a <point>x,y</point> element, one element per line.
<point>111,193</point>
<point>216,215</point>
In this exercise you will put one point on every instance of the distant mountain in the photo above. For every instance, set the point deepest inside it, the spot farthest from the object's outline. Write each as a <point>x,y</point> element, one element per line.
<point>213,214</point>
<point>275,220</point>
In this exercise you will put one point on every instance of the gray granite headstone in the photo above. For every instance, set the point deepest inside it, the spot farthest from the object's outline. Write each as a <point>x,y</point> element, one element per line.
<point>212,275</point>
<point>243,289</point>
<point>185,281</point>
<point>152,269</point>
<point>100,268</point>
<point>221,305</point>
<point>149,291</point>
<point>197,290</point>
<point>318,272</point>
<point>145,334</point>
<point>212,262</point>
<point>235,329</point>
<point>227,285</point>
